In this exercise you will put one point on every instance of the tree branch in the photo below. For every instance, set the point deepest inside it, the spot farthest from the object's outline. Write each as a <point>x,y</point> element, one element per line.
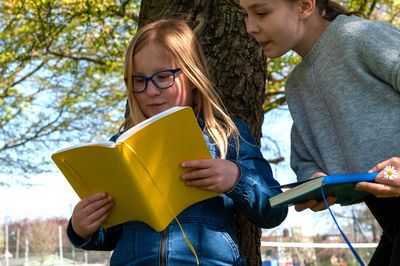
<point>77,58</point>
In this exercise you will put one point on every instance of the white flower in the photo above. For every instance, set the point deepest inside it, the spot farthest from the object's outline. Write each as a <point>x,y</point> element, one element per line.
<point>389,172</point>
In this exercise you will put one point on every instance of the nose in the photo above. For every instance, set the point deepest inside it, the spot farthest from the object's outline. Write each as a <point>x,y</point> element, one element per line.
<point>152,89</point>
<point>251,26</point>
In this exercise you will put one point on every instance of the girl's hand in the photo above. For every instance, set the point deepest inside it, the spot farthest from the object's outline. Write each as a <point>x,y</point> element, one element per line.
<point>211,174</point>
<point>384,187</point>
<point>90,213</point>
<point>313,204</point>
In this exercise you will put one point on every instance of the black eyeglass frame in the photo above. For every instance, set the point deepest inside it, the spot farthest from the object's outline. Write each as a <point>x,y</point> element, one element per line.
<point>172,71</point>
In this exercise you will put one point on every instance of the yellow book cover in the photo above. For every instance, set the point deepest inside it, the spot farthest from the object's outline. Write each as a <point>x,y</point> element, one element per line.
<point>141,170</point>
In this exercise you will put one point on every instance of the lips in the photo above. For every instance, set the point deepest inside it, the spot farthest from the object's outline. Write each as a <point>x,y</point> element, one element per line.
<point>155,104</point>
<point>263,44</point>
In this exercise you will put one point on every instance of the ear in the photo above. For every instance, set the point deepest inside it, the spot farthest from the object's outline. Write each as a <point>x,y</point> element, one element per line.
<point>306,8</point>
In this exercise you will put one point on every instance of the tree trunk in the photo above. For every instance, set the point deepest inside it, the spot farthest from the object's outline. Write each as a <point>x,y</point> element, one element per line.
<point>238,69</point>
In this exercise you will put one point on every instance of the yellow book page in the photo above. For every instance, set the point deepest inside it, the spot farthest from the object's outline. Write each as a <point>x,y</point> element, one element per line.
<point>161,147</point>
<point>91,169</point>
<point>142,170</point>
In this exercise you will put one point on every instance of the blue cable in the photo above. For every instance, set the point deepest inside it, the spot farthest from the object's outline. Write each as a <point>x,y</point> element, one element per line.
<point>344,236</point>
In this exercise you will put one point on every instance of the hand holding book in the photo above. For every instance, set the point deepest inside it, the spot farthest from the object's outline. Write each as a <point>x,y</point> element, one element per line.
<point>313,204</point>
<point>90,213</point>
<point>387,181</point>
<point>386,184</point>
<point>212,174</point>
<point>308,192</point>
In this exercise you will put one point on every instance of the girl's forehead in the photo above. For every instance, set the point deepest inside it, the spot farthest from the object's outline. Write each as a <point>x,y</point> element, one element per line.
<point>156,49</point>
<point>253,4</point>
<point>149,51</point>
<point>149,59</point>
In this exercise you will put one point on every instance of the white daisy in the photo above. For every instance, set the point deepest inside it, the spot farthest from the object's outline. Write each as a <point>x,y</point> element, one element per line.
<point>389,172</point>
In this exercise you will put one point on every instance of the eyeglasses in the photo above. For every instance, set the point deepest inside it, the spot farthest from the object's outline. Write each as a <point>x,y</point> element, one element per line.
<point>162,80</point>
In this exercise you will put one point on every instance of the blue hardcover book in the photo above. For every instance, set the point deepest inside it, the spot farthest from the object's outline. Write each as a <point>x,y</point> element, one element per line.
<point>340,186</point>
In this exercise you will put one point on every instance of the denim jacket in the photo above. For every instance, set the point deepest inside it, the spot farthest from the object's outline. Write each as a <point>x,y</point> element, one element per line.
<point>208,225</point>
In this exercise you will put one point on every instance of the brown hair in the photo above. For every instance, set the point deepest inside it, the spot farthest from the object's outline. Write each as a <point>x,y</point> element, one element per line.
<point>180,45</point>
<point>329,10</point>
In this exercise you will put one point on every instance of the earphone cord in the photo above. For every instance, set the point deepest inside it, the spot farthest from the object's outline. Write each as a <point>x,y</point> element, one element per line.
<point>344,236</point>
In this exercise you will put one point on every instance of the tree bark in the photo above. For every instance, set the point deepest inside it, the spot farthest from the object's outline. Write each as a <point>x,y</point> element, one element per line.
<point>237,67</point>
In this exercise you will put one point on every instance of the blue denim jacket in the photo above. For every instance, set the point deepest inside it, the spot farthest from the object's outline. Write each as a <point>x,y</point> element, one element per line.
<point>208,225</point>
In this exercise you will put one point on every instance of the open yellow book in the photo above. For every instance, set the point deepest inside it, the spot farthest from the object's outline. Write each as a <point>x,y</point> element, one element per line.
<point>141,171</point>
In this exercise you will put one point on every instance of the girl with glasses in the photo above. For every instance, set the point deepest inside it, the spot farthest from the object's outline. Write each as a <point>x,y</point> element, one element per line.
<point>165,67</point>
<point>344,98</point>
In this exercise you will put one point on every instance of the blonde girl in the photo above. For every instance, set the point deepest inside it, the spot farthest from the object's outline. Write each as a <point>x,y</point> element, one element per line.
<point>165,67</point>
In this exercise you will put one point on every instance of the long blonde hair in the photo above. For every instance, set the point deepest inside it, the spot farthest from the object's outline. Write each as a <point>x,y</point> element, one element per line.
<point>181,46</point>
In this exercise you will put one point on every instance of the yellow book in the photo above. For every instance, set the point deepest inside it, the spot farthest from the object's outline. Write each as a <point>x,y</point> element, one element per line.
<point>141,171</point>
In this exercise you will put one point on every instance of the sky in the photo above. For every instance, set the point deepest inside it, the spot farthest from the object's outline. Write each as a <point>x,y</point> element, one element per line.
<point>52,196</point>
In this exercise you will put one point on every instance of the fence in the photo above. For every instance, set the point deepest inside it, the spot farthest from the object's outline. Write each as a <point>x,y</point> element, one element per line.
<point>21,252</point>
<point>295,253</point>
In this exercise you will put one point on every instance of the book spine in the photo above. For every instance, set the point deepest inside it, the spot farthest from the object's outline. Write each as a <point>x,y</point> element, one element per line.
<point>353,178</point>
<point>80,186</point>
<point>154,201</point>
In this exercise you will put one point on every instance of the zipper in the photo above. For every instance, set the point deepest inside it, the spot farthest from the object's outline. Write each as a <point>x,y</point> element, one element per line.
<point>163,248</point>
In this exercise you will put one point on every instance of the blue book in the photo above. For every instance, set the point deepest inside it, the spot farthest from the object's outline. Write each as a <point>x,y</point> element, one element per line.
<point>340,186</point>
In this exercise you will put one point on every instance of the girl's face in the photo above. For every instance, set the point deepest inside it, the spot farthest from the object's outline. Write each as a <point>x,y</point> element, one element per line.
<point>150,60</point>
<point>275,24</point>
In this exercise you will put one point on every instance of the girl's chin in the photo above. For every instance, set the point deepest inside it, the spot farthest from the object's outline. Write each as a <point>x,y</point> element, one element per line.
<point>271,53</point>
<point>156,109</point>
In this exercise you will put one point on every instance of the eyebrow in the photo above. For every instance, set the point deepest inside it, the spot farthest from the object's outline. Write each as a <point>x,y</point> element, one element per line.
<point>255,6</point>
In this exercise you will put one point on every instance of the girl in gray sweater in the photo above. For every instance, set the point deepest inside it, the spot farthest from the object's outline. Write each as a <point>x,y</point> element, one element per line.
<point>344,98</point>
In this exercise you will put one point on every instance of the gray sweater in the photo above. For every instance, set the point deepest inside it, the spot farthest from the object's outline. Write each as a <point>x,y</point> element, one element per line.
<point>344,98</point>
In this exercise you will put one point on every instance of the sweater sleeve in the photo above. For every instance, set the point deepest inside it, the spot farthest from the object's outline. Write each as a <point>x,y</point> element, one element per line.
<point>301,160</point>
<point>255,185</point>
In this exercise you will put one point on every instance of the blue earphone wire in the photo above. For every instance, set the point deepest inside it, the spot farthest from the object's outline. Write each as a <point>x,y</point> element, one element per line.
<point>344,236</point>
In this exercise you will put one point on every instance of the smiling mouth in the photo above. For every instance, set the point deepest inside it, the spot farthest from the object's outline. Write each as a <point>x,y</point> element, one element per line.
<point>156,104</point>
